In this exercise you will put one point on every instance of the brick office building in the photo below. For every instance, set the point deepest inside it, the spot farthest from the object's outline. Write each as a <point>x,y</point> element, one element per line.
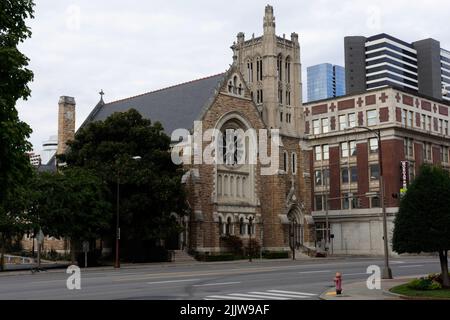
<point>413,129</point>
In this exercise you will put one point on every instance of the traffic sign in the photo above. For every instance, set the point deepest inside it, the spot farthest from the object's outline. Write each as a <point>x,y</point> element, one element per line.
<point>85,246</point>
<point>40,236</point>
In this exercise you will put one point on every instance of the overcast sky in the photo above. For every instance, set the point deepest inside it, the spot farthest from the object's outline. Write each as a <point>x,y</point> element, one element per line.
<point>134,46</point>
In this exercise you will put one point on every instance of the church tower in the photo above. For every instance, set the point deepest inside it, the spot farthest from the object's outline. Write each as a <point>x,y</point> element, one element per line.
<point>272,70</point>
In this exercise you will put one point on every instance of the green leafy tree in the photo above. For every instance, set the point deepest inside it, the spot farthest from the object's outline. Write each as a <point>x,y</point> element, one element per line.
<point>150,188</point>
<point>15,167</point>
<point>423,221</point>
<point>72,204</point>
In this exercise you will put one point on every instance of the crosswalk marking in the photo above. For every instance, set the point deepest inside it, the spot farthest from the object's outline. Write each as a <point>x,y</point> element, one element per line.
<point>279,295</point>
<point>263,295</point>
<point>256,296</point>
<point>225,298</point>
<point>294,292</point>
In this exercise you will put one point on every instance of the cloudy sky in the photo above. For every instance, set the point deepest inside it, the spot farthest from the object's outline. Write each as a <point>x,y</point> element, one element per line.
<point>134,46</point>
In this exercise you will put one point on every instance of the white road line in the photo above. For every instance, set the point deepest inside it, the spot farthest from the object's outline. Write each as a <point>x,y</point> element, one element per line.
<point>256,296</point>
<point>355,274</point>
<point>269,294</point>
<point>215,284</point>
<point>171,281</point>
<point>226,298</point>
<point>397,262</point>
<point>413,266</point>
<point>293,292</point>
<point>318,271</point>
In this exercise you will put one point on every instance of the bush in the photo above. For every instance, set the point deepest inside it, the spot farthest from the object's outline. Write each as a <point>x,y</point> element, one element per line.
<point>220,257</point>
<point>233,243</point>
<point>428,283</point>
<point>436,277</point>
<point>252,248</point>
<point>275,254</point>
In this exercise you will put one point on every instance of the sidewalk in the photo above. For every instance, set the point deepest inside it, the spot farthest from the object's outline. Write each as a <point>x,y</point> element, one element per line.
<point>359,290</point>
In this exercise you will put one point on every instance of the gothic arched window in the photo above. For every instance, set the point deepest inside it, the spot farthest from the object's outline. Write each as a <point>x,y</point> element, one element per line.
<point>228,227</point>
<point>288,70</point>
<point>280,67</point>
<point>250,71</point>
<point>294,162</point>
<point>220,226</point>
<point>259,69</point>
<point>241,226</point>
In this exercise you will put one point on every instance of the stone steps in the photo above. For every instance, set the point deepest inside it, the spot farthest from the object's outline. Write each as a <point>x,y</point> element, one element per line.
<point>182,256</point>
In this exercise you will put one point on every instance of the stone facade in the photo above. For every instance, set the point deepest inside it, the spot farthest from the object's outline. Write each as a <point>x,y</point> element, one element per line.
<point>66,122</point>
<point>262,90</point>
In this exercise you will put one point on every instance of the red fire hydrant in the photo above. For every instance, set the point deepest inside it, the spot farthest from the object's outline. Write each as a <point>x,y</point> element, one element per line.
<point>338,282</point>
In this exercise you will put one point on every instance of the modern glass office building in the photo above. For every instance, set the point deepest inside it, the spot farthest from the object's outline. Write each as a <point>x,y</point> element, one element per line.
<point>325,81</point>
<point>382,60</point>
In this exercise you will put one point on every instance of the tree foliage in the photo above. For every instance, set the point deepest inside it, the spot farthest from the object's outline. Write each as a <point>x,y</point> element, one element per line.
<point>150,188</point>
<point>423,221</point>
<point>72,204</point>
<point>15,166</point>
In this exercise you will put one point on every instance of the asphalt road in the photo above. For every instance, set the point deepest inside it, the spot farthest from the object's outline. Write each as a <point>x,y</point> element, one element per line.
<point>271,280</point>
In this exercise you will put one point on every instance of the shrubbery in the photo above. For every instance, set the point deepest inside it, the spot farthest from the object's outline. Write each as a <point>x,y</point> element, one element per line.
<point>275,254</point>
<point>431,282</point>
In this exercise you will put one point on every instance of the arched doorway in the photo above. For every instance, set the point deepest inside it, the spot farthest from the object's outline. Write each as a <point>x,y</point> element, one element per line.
<point>296,228</point>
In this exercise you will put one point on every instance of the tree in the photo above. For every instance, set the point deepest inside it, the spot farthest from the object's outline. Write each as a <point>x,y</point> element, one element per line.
<point>72,204</point>
<point>150,188</point>
<point>15,166</point>
<point>423,221</point>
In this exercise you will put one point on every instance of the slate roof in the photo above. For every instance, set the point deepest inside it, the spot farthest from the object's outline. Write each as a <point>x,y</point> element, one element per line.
<point>175,107</point>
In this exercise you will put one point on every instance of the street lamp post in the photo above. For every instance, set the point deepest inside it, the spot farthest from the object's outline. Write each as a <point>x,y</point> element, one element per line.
<point>117,260</point>
<point>387,272</point>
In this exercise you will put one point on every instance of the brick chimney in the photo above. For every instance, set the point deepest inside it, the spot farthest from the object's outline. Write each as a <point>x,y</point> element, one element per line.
<point>66,122</point>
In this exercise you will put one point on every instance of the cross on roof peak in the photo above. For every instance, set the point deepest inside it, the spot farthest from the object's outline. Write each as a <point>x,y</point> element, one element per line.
<point>101,93</point>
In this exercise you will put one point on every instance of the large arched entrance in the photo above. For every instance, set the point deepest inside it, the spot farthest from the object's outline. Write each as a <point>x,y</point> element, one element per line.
<point>296,228</point>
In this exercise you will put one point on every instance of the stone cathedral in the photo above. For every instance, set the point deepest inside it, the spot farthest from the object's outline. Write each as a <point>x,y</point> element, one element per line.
<point>262,89</point>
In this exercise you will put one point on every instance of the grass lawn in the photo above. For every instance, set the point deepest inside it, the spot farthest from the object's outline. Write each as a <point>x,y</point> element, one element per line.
<point>404,290</point>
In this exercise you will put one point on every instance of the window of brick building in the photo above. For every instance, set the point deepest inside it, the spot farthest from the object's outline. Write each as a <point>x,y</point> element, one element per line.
<point>351,120</point>
<point>325,125</point>
<point>342,122</point>
<point>318,153</point>
<point>371,117</point>
<point>374,172</point>
<point>326,152</point>
<point>316,126</point>
<point>409,147</point>
<point>375,202</point>
<point>373,145</point>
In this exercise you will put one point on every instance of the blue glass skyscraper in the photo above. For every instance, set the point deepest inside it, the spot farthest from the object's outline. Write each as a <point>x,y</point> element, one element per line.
<point>325,81</point>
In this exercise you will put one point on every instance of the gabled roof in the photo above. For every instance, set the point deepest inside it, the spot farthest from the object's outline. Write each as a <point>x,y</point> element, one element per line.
<point>175,107</point>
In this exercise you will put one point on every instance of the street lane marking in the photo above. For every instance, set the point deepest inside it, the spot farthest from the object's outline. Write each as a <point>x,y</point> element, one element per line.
<point>226,298</point>
<point>318,271</point>
<point>413,266</point>
<point>293,292</point>
<point>269,294</point>
<point>171,281</point>
<point>262,297</point>
<point>355,274</point>
<point>215,284</point>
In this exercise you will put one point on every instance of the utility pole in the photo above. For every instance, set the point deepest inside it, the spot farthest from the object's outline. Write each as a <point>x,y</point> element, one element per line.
<point>387,272</point>
<point>250,219</point>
